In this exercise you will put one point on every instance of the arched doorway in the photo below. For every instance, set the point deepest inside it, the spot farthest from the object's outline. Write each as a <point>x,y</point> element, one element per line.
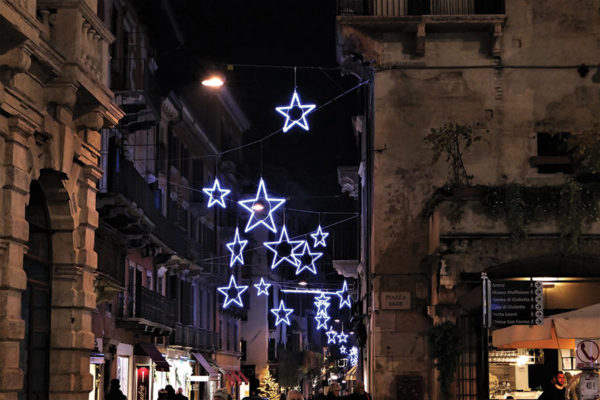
<point>36,299</point>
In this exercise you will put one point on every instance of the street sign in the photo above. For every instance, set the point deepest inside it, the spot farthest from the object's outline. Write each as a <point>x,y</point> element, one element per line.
<point>587,353</point>
<point>516,303</point>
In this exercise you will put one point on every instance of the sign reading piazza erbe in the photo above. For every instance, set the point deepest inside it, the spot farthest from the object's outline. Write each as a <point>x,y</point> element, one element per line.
<point>516,303</point>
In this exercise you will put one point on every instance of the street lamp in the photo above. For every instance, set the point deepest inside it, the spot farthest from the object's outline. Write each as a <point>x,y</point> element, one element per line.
<point>213,81</point>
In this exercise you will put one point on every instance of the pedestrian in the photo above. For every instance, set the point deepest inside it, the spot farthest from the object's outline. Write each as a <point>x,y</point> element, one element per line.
<point>163,394</point>
<point>320,395</point>
<point>294,395</point>
<point>114,392</point>
<point>359,392</point>
<point>334,391</point>
<point>170,392</point>
<point>556,390</point>
<point>221,394</point>
<point>180,395</point>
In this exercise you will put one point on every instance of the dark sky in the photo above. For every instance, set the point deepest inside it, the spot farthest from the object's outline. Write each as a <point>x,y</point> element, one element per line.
<point>263,39</point>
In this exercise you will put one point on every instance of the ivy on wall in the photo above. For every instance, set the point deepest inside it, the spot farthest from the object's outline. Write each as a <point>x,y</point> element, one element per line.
<point>444,349</point>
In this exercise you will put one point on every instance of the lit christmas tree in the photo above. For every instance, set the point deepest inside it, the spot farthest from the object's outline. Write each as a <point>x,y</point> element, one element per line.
<point>269,388</point>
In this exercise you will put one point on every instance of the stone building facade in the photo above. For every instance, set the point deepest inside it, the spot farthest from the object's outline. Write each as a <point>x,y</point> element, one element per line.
<point>519,74</point>
<point>54,101</point>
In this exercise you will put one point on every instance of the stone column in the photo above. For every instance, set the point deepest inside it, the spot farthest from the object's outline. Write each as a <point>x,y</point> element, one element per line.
<point>14,192</point>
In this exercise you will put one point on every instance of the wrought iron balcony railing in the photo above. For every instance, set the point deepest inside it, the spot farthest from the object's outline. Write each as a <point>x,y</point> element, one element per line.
<point>147,305</point>
<point>399,8</point>
<point>189,336</point>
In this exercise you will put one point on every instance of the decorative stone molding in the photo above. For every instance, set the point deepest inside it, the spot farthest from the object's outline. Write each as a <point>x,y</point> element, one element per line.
<point>93,120</point>
<point>13,62</point>
<point>64,94</point>
<point>168,111</point>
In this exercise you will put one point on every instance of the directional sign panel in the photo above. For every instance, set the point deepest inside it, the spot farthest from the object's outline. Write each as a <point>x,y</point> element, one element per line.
<point>516,303</point>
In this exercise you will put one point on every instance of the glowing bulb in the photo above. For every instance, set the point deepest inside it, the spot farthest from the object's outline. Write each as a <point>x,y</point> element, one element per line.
<point>213,81</point>
<point>258,207</point>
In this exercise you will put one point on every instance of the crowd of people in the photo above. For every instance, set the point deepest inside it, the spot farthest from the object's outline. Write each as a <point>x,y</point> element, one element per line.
<point>169,393</point>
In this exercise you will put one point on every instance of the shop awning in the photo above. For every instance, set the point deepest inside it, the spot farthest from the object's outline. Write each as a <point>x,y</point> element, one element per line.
<point>558,331</point>
<point>231,373</point>
<point>150,350</point>
<point>351,373</point>
<point>212,372</point>
<point>241,375</point>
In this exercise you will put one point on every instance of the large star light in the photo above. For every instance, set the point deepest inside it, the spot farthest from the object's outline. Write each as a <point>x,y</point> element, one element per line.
<point>295,113</point>
<point>236,248</point>
<point>342,337</point>
<point>283,249</point>
<point>344,299</point>
<point>282,310</point>
<point>306,259</point>
<point>322,321</point>
<point>261,208</point>
<point>262,287</point>
<point>216,195</point>
<point>331,335</point>
<point>319,236</point>
<point>228,290</point>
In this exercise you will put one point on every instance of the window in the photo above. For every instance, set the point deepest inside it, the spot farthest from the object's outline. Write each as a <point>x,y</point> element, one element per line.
<point>149,280</point>
<point>123,373</point>
<point>552,153</point>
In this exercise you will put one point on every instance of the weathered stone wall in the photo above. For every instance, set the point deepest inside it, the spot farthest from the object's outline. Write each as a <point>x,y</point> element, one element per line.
<point>533,86</point>
<point>53,103</point>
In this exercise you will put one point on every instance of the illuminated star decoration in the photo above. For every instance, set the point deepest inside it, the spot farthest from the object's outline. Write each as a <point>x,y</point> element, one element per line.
<point>306,260</point>
<point>343,349</point>
<point>353,356</point>
<point>319,236</point>
<point>262,287</point>
<point>226,291</point>
<point>236,248</point>
<point>340,293</point>
<point>331,335</point>
<point>322,303</point>
<point>283,249</point>
<point>342,338</point>
<point>291,113</point>
<point>216,194</point>
<point>278,311</point>
<point>261,208</point>
<point>322,321</point>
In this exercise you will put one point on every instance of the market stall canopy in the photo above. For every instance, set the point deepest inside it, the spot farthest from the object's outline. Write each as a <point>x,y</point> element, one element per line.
<point>558,331</point>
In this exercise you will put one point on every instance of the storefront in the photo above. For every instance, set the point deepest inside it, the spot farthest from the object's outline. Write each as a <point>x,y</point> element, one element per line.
<point>205,379</point>
<point>150,367</point>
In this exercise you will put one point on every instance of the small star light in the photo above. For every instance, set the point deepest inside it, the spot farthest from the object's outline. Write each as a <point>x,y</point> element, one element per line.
<point>340,294</point>
<point>343,349</point>
<point>283,249</point>
<point>227,290</point>
<point>322,299</point>
<point>236,248</point>
<point>319,236</point>
<point>322,309</point>
<point>342,338</point>
<point>292,113</point>
<point>306,260</point>
<point>331,335</point>
<point>322,321</point>
<point>262,287</point>
<point>278,311</point>
<point>261,208</point>
<point>216,194</point>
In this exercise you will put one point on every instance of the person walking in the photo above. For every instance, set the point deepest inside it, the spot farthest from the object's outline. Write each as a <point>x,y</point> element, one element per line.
<point>114,393</point>
<point>359,392</point>
<point>294,395</point>
<point>556,390</point>
<point>180,395</point>
<point>334,391</point>
<point>221,394</point>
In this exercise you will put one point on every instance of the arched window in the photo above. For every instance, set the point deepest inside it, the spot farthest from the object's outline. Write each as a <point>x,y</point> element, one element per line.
<point>36,300</point>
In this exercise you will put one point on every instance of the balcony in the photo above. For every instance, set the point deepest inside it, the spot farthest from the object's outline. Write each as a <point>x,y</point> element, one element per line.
<point>401,8</point>
<point>345,253</point>
<point>196,338</point>
<point>129,207</point>
<point>147,312</point>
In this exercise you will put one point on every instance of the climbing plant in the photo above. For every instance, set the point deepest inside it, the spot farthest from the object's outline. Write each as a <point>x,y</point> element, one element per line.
<point>444,349</point>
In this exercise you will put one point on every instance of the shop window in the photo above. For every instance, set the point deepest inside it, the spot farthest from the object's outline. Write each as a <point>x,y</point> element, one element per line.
<point>123,373</point>
<point>552,153</point>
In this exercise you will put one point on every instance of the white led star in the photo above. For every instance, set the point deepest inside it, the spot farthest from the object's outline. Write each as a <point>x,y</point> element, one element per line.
<point>353,351</point>
<point>322,299</point>
<point>291,120</point>
<point>283,249</point>
<point>342,337</point>
<point>236,248</point>
<point>343,349</point>
<point>322,321</point>
<point>261,208</point>
<point>262,287</point>
<point>319,236</point>
<point>216,194</point>
<point>340,294</point>
<point>306,259</point>
<point>277,311</point>
<point>331,335</point>
<point>237,299</point>
<point>322,309</point>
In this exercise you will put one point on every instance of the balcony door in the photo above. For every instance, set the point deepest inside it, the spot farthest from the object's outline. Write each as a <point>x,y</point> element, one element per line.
<point>36,302</point>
